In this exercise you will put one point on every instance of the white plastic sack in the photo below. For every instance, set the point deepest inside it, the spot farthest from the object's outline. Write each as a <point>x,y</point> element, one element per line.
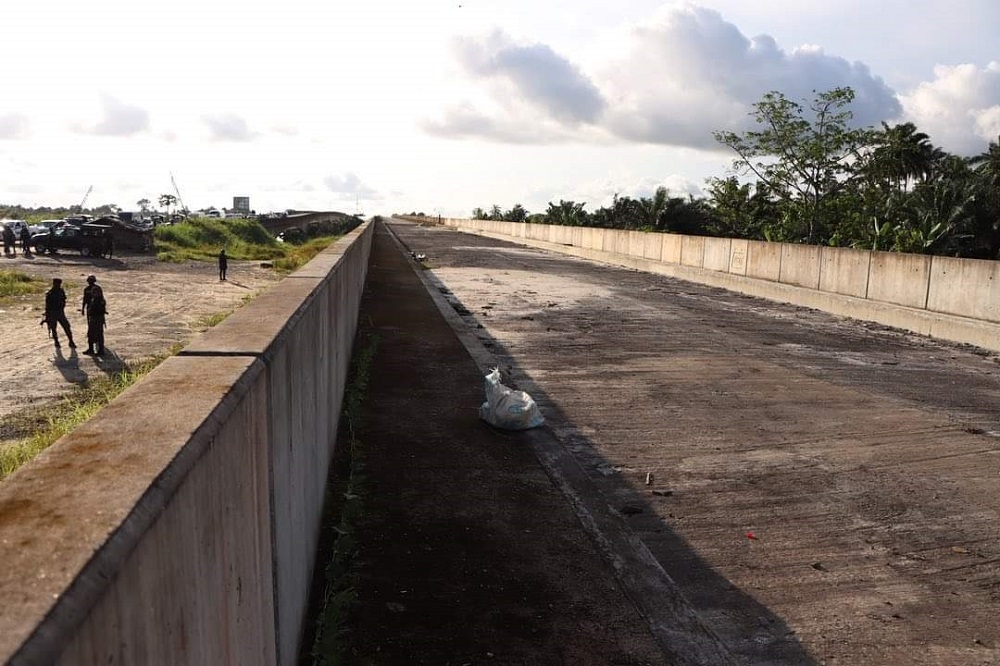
<point>508,409</point>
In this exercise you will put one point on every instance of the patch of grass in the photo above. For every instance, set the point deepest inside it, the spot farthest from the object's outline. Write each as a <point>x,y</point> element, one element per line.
<point>345,510</point>
<point>200,239</point>
<point>297,256</point>
<point>59,418</point>
<point>15,283</point>
<point>216,318</point>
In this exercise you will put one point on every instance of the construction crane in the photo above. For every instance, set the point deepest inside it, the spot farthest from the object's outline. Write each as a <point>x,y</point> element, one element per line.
<point>177,191</point>
<point>85,198</point>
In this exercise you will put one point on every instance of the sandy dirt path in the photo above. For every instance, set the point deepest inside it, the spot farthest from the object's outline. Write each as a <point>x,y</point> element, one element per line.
<point>151,307</point>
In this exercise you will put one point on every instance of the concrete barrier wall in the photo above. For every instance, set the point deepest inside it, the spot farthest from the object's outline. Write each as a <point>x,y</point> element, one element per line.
<point>800,265</point>
<point>845,271</point>
<point>901,279</point>
<point>181,523</point>
<point>718,254</point>
<point>965,287</point>
<point>954,299</point>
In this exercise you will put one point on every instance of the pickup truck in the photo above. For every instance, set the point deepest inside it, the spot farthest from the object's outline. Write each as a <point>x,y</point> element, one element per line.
<point>90,240</point>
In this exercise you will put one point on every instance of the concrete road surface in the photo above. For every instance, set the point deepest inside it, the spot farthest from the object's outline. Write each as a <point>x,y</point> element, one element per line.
<point>819,490</point>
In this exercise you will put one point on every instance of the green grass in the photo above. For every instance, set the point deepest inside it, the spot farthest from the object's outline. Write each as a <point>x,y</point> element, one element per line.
<point>14,284</point>
<point>200,239</point>
<point>51,422</point>
<point>299,255</point>
<point>346,509</point>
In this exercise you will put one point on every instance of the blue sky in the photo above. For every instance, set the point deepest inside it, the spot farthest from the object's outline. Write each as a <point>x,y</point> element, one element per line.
<point>383,106</point>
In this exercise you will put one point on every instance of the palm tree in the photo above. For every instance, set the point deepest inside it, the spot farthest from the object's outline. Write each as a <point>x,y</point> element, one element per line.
<point>567,213</point>
<point>903,156</point>
<point>987,165</point>
<point>516,214</point>
<point>987,171</point>
<point>650,210</point>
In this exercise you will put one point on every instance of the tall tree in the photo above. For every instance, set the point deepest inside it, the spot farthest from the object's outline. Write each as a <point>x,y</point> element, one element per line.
<point>986,229</point>
<point>802,154</point>
<point>516,214</point>
<point>168,201</point>
<point>650,209</point>
<point>900,156</point>
<point>567,213</point>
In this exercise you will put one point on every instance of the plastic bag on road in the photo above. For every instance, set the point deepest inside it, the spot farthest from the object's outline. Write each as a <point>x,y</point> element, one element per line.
<point>508,409</point>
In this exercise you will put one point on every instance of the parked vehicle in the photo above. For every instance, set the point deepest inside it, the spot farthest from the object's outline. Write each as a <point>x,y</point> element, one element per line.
<point>134,236</point>
<point>87,239</point>
<point>43,226</point>
<point>15,225</point>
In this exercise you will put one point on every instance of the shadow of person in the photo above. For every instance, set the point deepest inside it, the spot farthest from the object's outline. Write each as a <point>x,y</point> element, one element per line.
<point>237,284</point>
<point>69,367</point>
<point>109,362</point>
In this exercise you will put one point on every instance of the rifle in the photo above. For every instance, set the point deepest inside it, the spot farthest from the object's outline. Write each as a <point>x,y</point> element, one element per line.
<point>46,321</point>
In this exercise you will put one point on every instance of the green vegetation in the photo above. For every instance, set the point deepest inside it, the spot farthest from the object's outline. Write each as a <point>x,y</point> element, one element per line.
<point>48,424</point>
<point>299,255</point>
<point>344,511</point>
<point>808,174</point>
<point>200,239</point>
<point>14,284</point>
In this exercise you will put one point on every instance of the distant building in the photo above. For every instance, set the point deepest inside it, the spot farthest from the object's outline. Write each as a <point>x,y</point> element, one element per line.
<point>241,205</point>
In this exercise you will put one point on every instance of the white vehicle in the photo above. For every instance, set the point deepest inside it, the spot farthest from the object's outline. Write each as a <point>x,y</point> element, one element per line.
<point>43,226</point>
<point>17,226</point>
<point>213,213</point>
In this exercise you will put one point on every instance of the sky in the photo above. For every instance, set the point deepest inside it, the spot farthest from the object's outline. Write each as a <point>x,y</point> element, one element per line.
<point>433,106</point>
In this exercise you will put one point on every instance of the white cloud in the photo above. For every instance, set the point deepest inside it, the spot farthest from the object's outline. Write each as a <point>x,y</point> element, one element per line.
<point>959,109</point>
<point>671,80</point>
<point>349,186</point>
<point>119,119</point>
<point>13,126</point>
<point>228,127</point>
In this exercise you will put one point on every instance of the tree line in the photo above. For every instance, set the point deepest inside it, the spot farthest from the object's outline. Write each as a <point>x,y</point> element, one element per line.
<point>806,174</point>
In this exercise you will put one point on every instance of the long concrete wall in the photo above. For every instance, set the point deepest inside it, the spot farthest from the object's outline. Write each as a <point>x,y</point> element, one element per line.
<point>180,525</point>
<point>947,298</point>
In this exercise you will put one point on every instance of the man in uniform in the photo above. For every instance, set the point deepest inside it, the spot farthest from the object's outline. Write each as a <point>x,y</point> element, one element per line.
<point>55,312</point>
<point>95,307</point>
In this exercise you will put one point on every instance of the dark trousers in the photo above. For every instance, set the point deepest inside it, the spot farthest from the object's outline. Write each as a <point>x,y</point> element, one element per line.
<point>95,333</point>
<point>62,321</point>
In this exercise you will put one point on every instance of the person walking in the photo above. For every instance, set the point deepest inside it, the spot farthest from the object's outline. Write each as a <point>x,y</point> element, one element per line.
<point>55,313</point>
<point>95,307</point>
<point>223,264</point>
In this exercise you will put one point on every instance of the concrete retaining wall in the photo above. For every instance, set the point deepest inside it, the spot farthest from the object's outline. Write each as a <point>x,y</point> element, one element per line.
<point>180,525</point>
<point>954,299</point>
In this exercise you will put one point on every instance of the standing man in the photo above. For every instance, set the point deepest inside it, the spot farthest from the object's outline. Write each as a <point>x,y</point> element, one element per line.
<point>25,241</point>
<point>95,307</point>
<point>223,264</point>
<point>8,241</point>
<point>55,312</point>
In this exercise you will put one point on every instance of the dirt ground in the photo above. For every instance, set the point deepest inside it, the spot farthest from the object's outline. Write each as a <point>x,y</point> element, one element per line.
<point>151,307</point>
